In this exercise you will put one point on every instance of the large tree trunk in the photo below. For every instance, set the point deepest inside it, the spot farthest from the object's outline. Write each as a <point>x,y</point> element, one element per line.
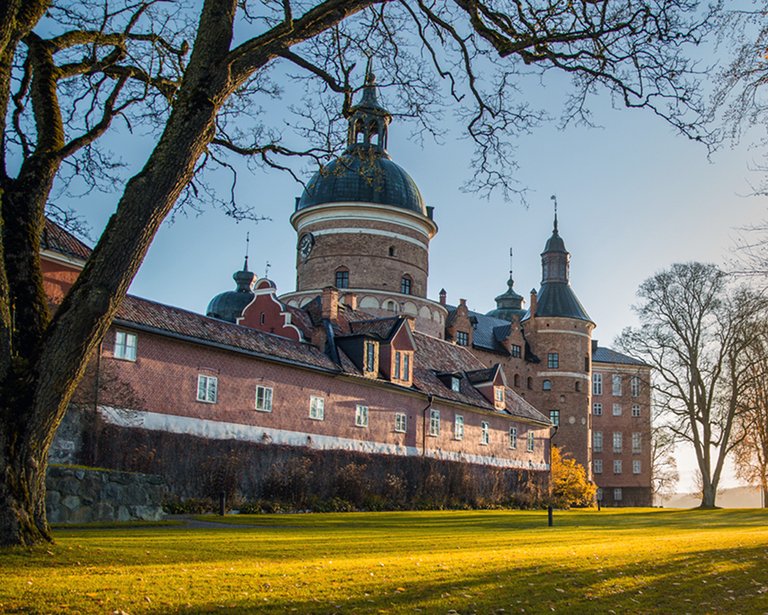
<point>708,495</point>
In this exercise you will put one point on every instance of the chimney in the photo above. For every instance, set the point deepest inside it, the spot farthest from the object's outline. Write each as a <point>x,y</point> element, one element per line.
<point>350,300</point>
<point>594,346</point>
<point>442,296</point>
<point>330,304</point>
<point>533,302</point>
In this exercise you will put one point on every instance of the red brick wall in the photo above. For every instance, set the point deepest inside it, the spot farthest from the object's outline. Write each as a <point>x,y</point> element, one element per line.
<point>165,372</point>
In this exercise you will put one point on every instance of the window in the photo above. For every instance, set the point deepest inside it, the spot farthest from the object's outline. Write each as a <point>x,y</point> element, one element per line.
<point>554,416</point>
<point>597,441</point>
<point>553,360</point>
<point>462,338</point>
<point>635,410</point>
<point>634,386</point>
<point>637,441</point>
<point>391,250</point>
<point>125,346</point>
<point>516,351</point>
<point>498,394</point>
<point>455,384</point>
<point>361,416</point>
<point>513,437</point>
<point>586,364</point>
<point>401,422</point>
<point>264,398</point>
<point>370,356</point>
<point>617,466</point>
<point>434,422</point>
<point>546,385</point>
<point>617,494</point>
<point>577,386</point>
<point>597,384</point>
<point>617,442</point>
<point>597,409</point>
<point>396,374</point>
<point>316,408</point>
<point>207,388</point>
<point>529,383</point>
<point>636,466</point>
<point>342,278</point>
<point>458,427</point>
<point>516,380</point>
<point>616,411</point>
<point>531,441</point>
<point>406,373</point>
<point>616,384</point>
<point>405,285</point>
<point>485,433</point>
<point>597,466</point>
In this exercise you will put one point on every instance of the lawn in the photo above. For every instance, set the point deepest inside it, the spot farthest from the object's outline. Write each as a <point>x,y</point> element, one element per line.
<point>629,561</point>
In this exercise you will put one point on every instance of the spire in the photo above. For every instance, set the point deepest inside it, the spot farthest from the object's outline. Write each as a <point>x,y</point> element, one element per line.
<point>368,119</point>
<point>555,259</point>
<point>554,229</point>
<point>247,245</point>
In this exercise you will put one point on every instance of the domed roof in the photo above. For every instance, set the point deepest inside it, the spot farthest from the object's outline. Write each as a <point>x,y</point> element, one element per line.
<point>363,174</point>
<point>509,305</point>
<point>229,305</point>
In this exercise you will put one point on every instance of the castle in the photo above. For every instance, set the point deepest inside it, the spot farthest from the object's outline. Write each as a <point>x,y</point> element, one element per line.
<point>358,358</point>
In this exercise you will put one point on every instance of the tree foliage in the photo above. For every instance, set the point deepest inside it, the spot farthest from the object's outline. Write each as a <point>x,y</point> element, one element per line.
<point>696,331</point>
<point>664,474</point>
<point>570,485</point>
<point>193,77</point>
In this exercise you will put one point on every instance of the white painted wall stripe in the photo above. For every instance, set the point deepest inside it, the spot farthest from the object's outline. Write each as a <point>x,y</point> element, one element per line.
<point>221,430</point>
<point>370,231</point>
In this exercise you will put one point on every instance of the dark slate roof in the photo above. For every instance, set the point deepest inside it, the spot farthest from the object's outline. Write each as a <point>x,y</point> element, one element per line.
<point>486,334</point>
<point>363,174</point>
<point>606,355</point>
<point>57,239</point>
<point>482,375</point>
<point>196,327</point>
<point>558,299</point>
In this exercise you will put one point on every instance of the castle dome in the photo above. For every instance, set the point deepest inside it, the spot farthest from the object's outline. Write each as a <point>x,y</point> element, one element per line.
<point>364,174</point>
<point>230,304</point>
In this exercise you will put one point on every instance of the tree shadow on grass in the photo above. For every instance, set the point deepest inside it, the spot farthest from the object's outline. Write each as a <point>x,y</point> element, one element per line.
<point>711,581</point>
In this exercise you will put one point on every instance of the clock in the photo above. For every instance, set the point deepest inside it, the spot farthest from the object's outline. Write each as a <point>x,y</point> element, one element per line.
<point>306,243</point>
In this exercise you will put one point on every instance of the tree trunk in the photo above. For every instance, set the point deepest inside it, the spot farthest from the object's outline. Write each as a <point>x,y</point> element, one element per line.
<point>708,495</point>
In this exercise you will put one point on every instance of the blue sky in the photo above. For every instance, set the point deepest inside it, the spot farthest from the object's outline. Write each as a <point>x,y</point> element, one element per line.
<point>633,198</point>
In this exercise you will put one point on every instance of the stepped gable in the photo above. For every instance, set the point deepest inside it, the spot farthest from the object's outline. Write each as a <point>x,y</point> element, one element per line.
<point>56,239</point>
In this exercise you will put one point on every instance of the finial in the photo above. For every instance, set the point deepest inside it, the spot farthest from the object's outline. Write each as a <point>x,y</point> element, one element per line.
<point>554,198</point>
<point>511,282</point>
<point>370,77</point>
<point>266,270</point>
<point>247,246</point>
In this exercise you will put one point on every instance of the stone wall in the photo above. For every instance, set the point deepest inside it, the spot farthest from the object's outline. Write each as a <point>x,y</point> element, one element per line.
<point>79,495</point>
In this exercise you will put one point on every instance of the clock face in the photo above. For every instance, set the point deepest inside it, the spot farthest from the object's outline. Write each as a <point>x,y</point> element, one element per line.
<point>306,243</point>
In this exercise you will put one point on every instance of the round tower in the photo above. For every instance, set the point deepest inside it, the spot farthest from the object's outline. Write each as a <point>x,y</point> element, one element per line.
<point>362,226</point>
<point>559,331</point>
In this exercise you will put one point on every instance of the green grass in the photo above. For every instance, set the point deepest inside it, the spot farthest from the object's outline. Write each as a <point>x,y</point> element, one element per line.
<point>629,561</point>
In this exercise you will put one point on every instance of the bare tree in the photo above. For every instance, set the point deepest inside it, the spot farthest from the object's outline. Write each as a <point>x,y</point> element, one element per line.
<point>131,63</point>
<point>664,474</point>
<point>751,451</point>
<point>695,331</point>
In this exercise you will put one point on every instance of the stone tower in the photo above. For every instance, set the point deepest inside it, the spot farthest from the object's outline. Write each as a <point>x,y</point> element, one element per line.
<point>362,226</point>
<point>559,329</point>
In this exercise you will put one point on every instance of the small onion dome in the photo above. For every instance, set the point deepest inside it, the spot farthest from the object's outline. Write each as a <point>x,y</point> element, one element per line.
<point>509,305</point>
<point>229,305</point>
<point>363,174</point>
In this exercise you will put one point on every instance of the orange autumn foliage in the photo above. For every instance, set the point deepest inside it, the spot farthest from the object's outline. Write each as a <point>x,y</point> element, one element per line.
<point>570,486</point>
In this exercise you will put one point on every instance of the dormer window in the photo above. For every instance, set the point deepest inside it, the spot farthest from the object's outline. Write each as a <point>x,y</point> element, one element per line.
<point>498,395</point>
<point>401,368</point>
<point>405,284</point>
<point>370,357</point>
<point>462,338</point>
<point>455,384</point>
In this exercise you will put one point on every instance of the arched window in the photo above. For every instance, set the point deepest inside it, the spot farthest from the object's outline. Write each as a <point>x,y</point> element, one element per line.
<point>342,277</point>
<point>530,382</point>
<point>392,306</point>
<point>391,250</point>
<point>405,284</point>
<point>546,385</point>
<point>517,380</point>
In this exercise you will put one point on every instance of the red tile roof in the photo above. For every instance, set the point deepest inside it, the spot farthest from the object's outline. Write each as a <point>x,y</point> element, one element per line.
<point>57,239</point>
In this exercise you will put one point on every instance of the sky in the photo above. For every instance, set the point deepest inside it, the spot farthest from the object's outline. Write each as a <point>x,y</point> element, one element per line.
<point>633,199</point>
